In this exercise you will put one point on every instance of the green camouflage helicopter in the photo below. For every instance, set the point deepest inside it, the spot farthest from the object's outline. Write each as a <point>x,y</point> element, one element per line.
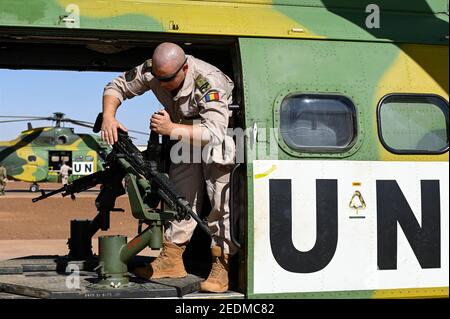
<point>36,155</point>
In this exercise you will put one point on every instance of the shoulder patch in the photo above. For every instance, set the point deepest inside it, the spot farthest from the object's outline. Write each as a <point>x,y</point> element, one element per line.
<point>147,67</point>
<point>202,84</point>
<point>131,75</point>
<point>212,96</point>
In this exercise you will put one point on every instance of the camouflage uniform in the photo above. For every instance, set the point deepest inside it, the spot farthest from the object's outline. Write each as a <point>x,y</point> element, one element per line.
<point>204,97</point>
<point>3,177</point>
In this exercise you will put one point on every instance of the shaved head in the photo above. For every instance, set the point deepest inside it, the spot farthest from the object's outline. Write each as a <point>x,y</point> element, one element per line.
<point>168,56</point>
<point>169,66</point>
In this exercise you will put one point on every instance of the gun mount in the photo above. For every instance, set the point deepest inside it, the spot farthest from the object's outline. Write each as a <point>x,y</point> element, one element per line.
<point>153,200</point>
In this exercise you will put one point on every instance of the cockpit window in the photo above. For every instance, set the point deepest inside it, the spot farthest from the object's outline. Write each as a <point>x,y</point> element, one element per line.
<point>318,122</point>
<point>413,123</point>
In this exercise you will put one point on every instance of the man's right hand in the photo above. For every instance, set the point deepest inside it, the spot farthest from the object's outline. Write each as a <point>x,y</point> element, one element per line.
<point>109,129</point>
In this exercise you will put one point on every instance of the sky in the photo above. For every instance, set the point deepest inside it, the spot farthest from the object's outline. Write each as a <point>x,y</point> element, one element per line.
<point>77,94</point>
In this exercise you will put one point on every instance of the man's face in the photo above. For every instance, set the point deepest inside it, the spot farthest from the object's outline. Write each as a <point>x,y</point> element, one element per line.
<point>175,73</point>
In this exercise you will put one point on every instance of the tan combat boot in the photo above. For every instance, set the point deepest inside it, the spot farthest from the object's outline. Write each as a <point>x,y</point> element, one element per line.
<point>169,264</point>
<point>218,277</point>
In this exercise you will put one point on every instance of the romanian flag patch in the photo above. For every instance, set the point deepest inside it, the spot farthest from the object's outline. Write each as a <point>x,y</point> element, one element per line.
<point>212,96</point>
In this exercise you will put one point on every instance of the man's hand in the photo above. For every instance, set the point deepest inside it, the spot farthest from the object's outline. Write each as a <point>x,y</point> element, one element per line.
<point>161,123</point>
<point>109,129</point>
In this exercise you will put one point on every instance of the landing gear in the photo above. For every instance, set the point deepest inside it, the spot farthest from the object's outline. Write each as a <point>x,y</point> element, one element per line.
<point>34,188</point>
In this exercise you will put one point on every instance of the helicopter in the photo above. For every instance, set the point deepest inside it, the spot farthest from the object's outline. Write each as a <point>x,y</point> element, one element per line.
<point>37,154</point>
<point>342,187</point>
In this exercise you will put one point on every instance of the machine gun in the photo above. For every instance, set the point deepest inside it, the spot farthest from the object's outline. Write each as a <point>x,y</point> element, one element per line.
<point>127,159</point>
<point>150,194</point>
<point>159,181</point>
<point>79,185</point>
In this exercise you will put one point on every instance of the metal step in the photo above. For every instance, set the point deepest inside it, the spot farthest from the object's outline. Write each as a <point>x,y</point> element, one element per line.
<point>56,263</point>
<point>5,295</point>
<point>46,277</point>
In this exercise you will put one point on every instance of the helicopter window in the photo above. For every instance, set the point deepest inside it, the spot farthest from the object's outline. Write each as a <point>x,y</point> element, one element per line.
<point>62,140</point>
<point>32,158</point>
<point>317,122</point>
<point>79,158</point>
<point>55,158</point>
<point>65,159</point>
<point>89,158</point>
<point>413,123</point>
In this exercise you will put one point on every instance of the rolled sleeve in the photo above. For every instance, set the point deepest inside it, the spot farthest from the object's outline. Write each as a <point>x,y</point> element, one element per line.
<point>110,90</point>
<point>129,84</point>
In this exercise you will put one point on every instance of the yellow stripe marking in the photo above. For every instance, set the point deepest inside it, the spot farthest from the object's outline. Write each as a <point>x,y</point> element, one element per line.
<point>29,169</point>
<point>266,173</point>
<point>417,69</point>
<point>202,17</point>
<point>438,292</point>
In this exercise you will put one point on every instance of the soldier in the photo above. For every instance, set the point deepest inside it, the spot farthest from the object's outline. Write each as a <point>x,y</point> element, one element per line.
<point>3,179</point>
<point>64,172</point>
<point>190,89</point>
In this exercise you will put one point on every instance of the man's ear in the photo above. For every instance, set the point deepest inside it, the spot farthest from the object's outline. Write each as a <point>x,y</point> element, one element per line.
<point>185,67</point>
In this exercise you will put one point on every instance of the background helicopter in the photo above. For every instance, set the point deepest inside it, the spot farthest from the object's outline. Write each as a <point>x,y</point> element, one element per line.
<point>36,155</point>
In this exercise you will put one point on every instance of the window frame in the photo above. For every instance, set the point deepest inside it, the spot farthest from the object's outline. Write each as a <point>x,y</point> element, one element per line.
<point>409,152</point>
<point>318,151</point>
<point>63,139</point>
<point>32,158</point>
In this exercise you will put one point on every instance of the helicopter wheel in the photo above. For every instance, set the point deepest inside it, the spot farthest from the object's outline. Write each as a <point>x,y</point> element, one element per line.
<point>34,188</point>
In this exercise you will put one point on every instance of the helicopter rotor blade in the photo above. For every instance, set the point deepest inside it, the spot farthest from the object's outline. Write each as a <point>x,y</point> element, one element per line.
<point>79,123</point>
<point>91,125</point>
<point>139,132</point>
<point>19,118</point>
<point>23,120</point>
<point>22,117</point>
<point>84,122</point>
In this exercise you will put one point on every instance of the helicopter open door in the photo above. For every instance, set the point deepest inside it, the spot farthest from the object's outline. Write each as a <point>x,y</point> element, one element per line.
<point>56,159</point>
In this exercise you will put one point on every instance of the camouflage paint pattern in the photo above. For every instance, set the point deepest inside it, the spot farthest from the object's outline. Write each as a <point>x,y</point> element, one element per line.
<point>407,54</point>
<point>362,71</point>
<point>423,21</point>
<point>18,155</point>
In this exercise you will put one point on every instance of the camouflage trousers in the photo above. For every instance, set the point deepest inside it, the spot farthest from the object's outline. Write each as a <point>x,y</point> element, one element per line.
<point>191,180</point>
<point>2,187</point>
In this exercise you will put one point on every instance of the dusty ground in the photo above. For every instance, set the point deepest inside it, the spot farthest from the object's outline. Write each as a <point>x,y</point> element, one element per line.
<point>43,227</point>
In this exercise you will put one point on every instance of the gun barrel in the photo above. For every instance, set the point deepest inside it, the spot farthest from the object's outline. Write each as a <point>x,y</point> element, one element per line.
<point>167,192</point>
<point>200,222</point>
<point>45,195</point>
<point>179,201</point>
<point>77,186</point>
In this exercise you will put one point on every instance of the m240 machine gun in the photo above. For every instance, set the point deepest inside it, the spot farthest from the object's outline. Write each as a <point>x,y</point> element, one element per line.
<point>153,200</point>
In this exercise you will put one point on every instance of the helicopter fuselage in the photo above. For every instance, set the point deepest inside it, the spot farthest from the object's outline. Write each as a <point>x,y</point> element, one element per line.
<point>37,154</point>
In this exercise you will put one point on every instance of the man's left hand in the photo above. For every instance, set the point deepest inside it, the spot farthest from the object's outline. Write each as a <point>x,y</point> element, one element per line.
<point>161,123</point>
